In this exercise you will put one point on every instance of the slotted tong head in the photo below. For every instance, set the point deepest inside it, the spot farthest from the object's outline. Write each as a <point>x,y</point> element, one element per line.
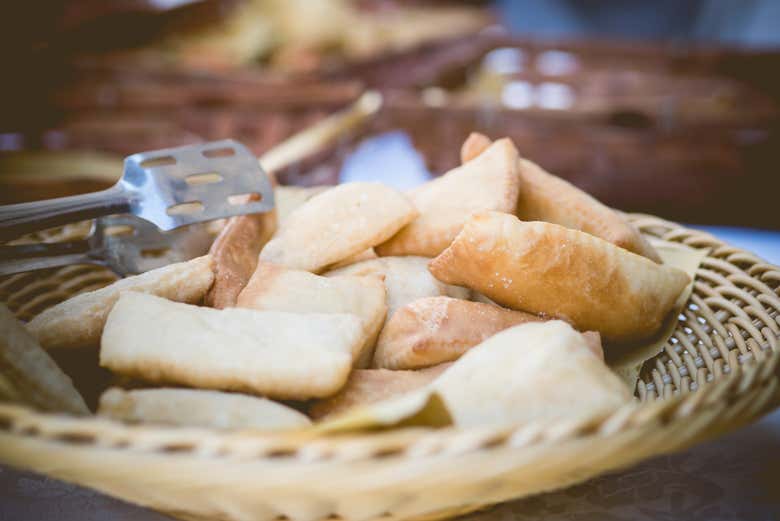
<point>125,244</point>
<point>170,188</point>
<point>161,190</point>
<point>167,189</point>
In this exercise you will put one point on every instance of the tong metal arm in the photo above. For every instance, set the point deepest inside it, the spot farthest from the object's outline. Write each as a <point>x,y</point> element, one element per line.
<point>125,244</point>
<point>28,257</point>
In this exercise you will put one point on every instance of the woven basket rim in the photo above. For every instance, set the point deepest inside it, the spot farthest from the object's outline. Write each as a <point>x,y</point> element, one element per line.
<point>758,376</point>
<point>306,446</point>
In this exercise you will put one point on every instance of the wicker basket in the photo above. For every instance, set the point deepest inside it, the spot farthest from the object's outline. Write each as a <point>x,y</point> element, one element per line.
<point>725,348</point>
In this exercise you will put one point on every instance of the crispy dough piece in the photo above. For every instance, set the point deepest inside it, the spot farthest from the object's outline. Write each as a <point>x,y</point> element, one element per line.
<point>545,197</point>
<point>474,145</point>
<point>235,254</point>
<point>199,408</point>
<point>365,255</point>
<point>545,268</point>
<point>366,386</point>
<point>290,198</point>
<point>29,375</point>
<point>532,372</point>
<point>276,354</point>
<point>406,279</point>
<point>78,322</point>
<point>433,330</point>
<point>337,224</point>
<point>489,182</point>
<point>276,288</point>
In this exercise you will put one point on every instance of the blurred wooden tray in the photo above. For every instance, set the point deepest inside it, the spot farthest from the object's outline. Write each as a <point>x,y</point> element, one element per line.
<point>680,132</point>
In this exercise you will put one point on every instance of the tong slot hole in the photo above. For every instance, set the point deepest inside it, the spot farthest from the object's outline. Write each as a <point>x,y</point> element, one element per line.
<point>154,252</point>
<point>208,178</point>
<point>119,230</point>
<point>158,161</point>
<point>219,152</point>
<point>238,199</point>
<point>185,208</point>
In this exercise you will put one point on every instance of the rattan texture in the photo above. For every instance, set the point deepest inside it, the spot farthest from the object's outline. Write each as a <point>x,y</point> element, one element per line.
<point>720,370</point>
<point>27,294</point>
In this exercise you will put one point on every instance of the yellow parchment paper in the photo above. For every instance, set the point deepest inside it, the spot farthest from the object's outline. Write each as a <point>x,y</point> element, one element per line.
<point>423,407</point>
<point>627,360</point>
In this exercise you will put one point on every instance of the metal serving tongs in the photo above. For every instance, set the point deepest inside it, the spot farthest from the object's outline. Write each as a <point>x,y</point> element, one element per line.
<point>169,188</point>
<point>125,244</point>
<point>186,180</point>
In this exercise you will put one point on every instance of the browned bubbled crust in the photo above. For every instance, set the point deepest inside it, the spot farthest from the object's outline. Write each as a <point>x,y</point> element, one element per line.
<point>546,197</point>
<point>545,268</point>
<point>489,182</point>
<point>235,253</point>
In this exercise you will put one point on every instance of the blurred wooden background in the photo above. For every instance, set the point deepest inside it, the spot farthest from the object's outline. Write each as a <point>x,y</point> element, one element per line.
<point>688,133</point>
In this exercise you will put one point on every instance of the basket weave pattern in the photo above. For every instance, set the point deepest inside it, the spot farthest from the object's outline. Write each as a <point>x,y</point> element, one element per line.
<point>725,347</point>
<point>732,316</point>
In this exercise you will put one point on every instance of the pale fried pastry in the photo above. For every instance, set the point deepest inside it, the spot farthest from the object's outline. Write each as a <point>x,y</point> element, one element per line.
<point>79,321</point>
<point>474,145</point>
<point>406,279</point>
<point>549,198</point>
<point>276,354</point>
<point>199,408</point>
<point>367,386</point>
<point>545,197</point>
<point>337,224</point>
<point>290,198</point>
<point>433,330</point>
<point>489,182</point>
<point>364,255</point>
<point>235,254</point>
<point>532,372</point>
<point>29,375</point>
<point>545,268</point>
<point>276,288</point>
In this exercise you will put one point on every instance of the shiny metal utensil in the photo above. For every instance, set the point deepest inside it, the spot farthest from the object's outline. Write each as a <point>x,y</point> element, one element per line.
<point>128,245</point>
<point>170,188</point>
<point>125,244</point>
